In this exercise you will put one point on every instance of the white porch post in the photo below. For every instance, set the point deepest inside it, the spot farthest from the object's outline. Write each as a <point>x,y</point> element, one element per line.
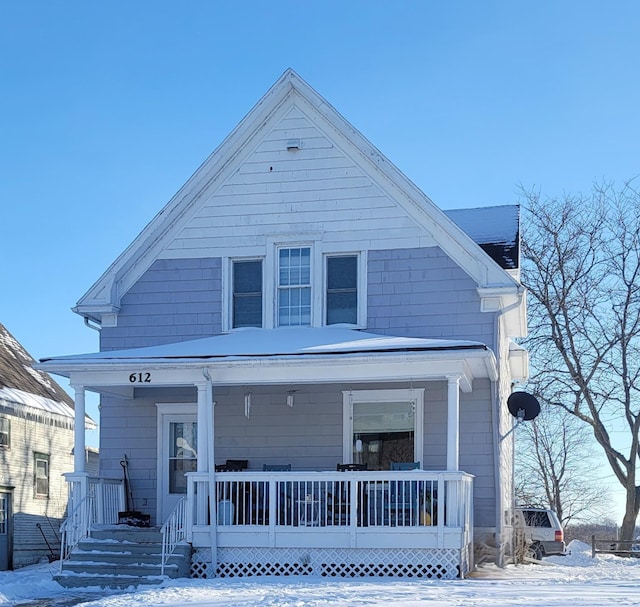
<point>79,432</point>
<point>453,423</point>
<point>203,438</point>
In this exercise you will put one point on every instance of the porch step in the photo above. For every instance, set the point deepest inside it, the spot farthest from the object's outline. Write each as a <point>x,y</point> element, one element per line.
<point>119,557</point>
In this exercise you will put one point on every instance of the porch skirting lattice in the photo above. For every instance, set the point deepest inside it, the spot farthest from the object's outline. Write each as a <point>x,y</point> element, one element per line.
<point>332,562</point>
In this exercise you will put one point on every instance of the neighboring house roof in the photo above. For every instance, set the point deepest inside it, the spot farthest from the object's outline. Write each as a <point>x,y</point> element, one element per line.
<point>496,229</point>
<point>22,385</point>
<point>104,297</point>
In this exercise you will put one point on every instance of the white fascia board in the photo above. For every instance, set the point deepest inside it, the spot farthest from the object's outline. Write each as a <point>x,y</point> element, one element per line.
<point>141,373</point>
<point>511,303</point>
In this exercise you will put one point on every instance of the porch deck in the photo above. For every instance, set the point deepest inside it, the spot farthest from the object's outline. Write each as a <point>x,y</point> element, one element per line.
<point>416,523</point>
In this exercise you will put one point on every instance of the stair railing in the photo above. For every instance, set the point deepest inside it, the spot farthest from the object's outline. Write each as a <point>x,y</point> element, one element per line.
<point>75,527</point>
<point>173,531</point>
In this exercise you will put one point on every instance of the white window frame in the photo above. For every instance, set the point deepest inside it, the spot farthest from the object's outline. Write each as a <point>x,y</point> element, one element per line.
<point>6,431</point>
<point>270,279</point>
<point>361,286</point>
<point>414,395</point>
<point>39,456</point>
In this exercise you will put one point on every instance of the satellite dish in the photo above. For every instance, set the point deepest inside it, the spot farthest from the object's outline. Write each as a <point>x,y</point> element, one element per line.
<point>523,406</point>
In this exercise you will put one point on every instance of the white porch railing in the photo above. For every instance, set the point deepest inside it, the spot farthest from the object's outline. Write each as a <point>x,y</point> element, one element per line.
<point>91,501</point>
<point>347,504</point>
<point>173,531</point>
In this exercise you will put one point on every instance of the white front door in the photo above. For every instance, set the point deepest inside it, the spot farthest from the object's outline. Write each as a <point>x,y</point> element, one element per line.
<point>177,454</point>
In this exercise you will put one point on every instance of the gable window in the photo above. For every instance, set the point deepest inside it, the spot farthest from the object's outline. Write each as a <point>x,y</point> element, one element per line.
<point>294,286</point>
<point>247,293</point>
<point>5,433</point>
<point>41,475</point>
<point>342,290</point>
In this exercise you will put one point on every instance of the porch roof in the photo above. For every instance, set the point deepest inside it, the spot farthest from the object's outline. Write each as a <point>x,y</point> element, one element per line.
<point>257,343</point>
<point>288,354</point>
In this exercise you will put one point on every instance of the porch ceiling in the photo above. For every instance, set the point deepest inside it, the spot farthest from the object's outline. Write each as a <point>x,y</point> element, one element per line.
<point>284,355</point>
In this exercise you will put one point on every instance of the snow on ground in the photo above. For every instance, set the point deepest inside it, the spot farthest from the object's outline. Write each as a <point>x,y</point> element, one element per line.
<point>576,580</point>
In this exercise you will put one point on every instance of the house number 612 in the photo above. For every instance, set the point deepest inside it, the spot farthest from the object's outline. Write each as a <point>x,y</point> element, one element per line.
<point>140,378</point>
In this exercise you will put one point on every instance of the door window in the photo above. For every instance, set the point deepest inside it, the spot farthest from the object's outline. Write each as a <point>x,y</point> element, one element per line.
<point>183,454</point>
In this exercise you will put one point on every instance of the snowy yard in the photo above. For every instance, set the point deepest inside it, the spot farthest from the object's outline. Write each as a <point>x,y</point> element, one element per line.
<point>576,580</point>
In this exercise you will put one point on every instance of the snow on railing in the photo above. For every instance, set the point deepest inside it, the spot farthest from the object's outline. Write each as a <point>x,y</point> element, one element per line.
<point>173,531</point>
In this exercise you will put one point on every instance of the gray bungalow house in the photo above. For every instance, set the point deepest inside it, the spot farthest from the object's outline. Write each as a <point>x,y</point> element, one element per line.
<point>306,362</point>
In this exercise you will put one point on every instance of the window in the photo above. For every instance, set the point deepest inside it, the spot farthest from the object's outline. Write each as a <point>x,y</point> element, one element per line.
<point>383,426</point>
<point>41,480</point>
<point>247,293</point>
<point>342,290</point>
<point>5,433</point>
<point>183,454</point>
<point>294,286</point>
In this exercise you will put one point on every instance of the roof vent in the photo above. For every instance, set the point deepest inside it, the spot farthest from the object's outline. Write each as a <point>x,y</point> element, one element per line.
<point>293,145</point>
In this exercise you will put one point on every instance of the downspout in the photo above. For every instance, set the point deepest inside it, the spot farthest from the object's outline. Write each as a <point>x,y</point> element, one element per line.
<point>87,322</point>
<point>497,440</point>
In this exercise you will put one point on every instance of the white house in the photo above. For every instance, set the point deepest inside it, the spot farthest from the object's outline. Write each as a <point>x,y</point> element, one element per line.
<point>299,304</point>
<point>36,440</point>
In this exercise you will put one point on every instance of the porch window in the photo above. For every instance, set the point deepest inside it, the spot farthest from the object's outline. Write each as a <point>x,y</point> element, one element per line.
<point>5,433</point>
<point>183,454</point>
<point>41,476</point>
<point>383,426</point>
<point>294,286</point>
<point>342,290</point>
<point>247,293</point>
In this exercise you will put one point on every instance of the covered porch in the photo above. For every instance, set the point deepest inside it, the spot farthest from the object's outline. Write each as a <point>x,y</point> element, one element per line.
<point>316,521</point>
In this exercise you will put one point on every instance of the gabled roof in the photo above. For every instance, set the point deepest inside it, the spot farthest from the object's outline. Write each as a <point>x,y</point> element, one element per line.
<point>105,295</point>
<point>21,384</point>
<point>496,229</point>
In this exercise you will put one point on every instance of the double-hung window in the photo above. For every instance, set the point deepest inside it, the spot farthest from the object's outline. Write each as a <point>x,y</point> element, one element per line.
<point>5,433</point>
<point>294,286</point>
<point>342,290</point>
<point>247,293</point>
<point>41,475</point>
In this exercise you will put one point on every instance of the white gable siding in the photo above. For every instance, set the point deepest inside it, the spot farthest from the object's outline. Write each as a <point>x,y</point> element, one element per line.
<point>316,189</point>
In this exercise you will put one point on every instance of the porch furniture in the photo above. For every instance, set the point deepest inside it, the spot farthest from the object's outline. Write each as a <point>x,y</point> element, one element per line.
<point>405,465</point>
<point>283,496</point>
<point>276,467</point>
<point>338,498</point>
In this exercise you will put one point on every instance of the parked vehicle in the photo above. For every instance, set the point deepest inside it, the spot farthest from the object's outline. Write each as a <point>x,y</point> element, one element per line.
<point>543,534</point>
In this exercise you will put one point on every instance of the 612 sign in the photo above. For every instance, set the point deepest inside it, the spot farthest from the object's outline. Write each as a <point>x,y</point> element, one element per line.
<point>140,378</point>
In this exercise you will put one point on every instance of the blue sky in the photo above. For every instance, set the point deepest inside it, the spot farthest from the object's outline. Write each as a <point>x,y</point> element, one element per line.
<point>106,108</point>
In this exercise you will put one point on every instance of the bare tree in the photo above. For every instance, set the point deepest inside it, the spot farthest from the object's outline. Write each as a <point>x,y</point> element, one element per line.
<point>551,470</point>
<point>581,265</point>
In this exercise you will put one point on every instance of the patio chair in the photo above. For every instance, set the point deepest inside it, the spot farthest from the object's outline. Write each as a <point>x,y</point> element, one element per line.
<point>402,504</point>
<point>261,497</point>
<point>338,498</point>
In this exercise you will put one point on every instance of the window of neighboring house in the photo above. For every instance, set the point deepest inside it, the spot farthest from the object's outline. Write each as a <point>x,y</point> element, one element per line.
<point>342,290</point>
<point>294,286</point>
<point>247,293</point>
<point>5,433</point>
<point>41,480</point>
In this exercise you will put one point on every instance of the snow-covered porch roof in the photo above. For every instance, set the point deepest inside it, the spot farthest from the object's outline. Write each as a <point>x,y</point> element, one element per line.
<point>283,355</point>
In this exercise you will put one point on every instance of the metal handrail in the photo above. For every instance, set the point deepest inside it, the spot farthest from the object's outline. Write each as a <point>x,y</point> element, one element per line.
<point>173,531</point>
<point>75,527</point>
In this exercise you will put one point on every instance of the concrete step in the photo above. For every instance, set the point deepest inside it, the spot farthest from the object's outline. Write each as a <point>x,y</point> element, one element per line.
<point>121,556</point>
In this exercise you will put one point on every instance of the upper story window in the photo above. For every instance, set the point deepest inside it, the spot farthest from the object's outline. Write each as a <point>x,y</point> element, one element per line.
<point>247,293</point>
<point>5,433</point>
<point>342,290</point>
<point>294,286</point>
<point>41,475</point>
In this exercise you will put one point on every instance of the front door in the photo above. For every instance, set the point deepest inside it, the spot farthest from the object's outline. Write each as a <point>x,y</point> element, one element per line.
<point>177,455</point>
<point>5,530</point>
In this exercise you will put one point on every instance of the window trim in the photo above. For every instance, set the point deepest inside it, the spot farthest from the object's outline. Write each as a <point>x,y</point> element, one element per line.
<point>361,286</point>
<point>39,456</point>
<point>231,289</point>
<point>7,446</point>
<point>415,395</point>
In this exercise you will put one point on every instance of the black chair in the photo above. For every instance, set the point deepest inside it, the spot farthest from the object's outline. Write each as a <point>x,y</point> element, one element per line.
<point>237,465</point>
<point>338,498</point>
